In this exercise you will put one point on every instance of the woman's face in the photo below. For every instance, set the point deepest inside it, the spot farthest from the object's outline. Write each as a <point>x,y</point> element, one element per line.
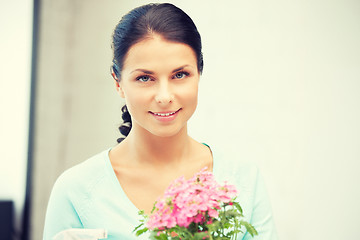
<point>159,82</point>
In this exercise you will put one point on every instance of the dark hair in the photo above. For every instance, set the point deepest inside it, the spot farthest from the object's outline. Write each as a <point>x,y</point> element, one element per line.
<point>164,19</point>
<point>126,126</point>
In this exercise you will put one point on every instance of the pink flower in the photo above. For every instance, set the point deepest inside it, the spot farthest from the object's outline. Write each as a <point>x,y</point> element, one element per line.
<point>196,200</point>
<point>213,213</point>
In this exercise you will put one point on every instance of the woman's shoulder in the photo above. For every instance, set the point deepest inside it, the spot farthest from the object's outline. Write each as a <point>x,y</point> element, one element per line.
<point>83,175</point>
<point>230,166</point>
<point>230,162</point>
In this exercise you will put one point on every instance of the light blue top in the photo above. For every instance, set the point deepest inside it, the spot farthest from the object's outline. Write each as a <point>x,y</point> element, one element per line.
<point>90,196</point>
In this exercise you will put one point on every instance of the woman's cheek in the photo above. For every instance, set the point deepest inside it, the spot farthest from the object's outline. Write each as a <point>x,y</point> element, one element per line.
<point>190,97</point>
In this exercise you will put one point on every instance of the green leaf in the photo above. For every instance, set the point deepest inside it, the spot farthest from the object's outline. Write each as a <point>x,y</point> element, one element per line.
<point>238,207</point>
<point>201,235</point>
<point>176,238</point>
<point>250,228</point>
<point>153,209</point>
<point>221,238</point>
<point>141,231</point>
<point>232,213</point>
<point>226,225</point>
<point>139,226</point>
<point>154,236</point>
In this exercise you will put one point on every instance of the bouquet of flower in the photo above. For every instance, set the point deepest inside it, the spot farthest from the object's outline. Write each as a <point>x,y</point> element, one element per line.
<point>198,208</point>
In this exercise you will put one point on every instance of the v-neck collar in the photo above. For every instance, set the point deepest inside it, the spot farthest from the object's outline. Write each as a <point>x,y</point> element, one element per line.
<point>130,206</point>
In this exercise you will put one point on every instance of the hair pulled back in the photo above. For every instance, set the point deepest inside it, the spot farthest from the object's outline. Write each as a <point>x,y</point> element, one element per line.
<point>166,20</point>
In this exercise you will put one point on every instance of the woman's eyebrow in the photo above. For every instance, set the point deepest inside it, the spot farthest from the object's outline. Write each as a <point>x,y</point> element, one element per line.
<point>143,70</point>
<point>181,68</point>
<point>150,72</point>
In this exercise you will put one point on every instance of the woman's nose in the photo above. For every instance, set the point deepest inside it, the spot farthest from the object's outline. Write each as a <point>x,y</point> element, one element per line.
<point>164,93</point>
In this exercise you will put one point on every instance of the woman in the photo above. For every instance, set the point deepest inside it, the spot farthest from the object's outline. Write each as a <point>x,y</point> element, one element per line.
<point>156,67</point>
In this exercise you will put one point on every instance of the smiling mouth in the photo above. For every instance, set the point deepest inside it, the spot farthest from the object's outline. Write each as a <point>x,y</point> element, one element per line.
<point>164,114</point>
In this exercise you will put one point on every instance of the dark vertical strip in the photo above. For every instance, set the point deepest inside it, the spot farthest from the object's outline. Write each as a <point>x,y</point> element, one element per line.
<point>27,204</point>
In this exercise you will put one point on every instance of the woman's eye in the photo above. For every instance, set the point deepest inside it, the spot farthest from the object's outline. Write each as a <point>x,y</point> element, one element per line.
<point>143,78</point>
<point>181,75</point>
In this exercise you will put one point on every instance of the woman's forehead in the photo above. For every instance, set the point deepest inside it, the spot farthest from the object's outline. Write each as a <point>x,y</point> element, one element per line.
<point>155,52</point>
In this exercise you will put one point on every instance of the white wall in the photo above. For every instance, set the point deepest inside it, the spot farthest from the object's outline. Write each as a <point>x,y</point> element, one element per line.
<point>280,85</point>
<point>15,66</point>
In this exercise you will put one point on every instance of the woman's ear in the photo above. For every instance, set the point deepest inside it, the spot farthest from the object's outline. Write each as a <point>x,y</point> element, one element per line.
<point>117,84</point>
<point>119,89</point>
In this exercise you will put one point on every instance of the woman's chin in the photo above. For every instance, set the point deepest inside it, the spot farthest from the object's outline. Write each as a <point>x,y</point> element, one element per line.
<point>168,132</point>
<point>165,134</point>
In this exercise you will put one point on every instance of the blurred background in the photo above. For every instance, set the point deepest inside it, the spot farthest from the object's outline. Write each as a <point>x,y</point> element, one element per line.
<point>281,85</point>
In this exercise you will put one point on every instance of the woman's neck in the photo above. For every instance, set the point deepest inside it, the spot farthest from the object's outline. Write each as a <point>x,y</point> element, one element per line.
<point>146,148</point>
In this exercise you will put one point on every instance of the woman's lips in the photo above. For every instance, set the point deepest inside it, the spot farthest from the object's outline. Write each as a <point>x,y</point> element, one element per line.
<point>165,116</point>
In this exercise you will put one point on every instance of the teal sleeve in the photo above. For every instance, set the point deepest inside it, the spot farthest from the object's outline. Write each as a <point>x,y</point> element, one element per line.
<point>61,212</point>
<point>262,218</point>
